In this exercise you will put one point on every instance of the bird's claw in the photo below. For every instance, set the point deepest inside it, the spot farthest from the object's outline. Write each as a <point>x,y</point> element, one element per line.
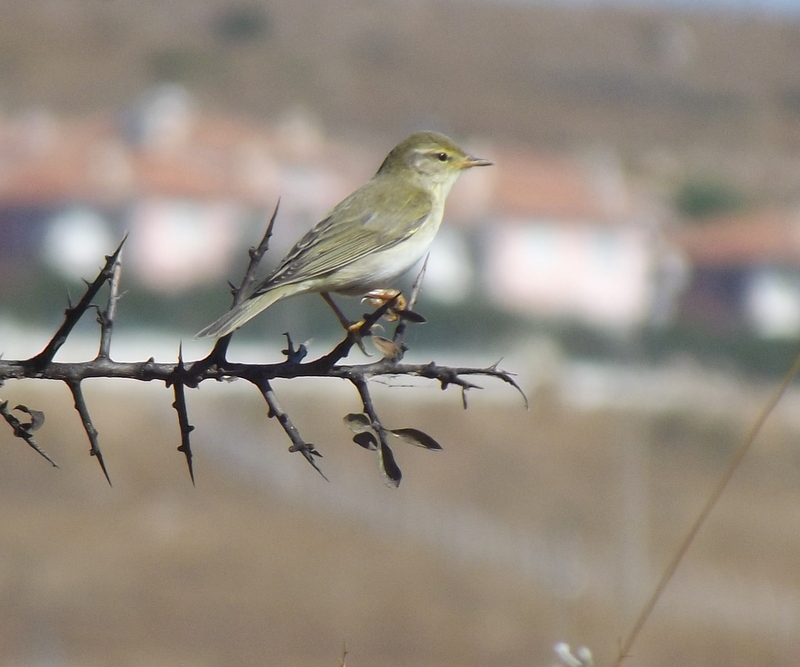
<point>354,331</point>
<point>398,310</point>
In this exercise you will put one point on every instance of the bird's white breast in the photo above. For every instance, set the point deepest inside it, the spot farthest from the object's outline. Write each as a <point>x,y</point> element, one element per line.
<point>380,268</point>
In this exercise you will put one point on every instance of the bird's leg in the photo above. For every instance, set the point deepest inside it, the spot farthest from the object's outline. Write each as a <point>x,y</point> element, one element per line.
<point>349,327</point>
<point>339,314</point>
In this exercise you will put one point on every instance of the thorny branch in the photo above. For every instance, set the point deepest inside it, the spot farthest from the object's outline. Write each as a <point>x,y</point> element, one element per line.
<point>256,254</point>
<point>74,313</point>
<point>369,430</point>
<point>276,411</point>
<point>88,426</point>
<point>106,317</point>
<point>183,415</point>
<point>388,466</point>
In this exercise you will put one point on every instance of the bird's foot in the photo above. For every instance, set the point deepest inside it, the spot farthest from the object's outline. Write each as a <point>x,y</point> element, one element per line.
<point>398,310</point>
<point>354,331</point>
<point>352,328</point>
<point>378,297</point>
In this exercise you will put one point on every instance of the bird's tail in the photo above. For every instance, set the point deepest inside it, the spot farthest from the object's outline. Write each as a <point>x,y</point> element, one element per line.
<point>242,313</point>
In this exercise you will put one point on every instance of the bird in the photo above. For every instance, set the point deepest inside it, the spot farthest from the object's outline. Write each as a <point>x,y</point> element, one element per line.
<point>370,238</point>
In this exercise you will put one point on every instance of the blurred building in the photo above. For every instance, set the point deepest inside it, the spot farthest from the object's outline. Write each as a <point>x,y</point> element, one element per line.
<point>546,235</point>
<point>191,188</point>
<point>745,272</point>
<point>570,242</point>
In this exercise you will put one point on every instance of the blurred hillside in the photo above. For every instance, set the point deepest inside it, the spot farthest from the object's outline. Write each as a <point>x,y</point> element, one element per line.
<point>689,89</point>
<point>530,528</point>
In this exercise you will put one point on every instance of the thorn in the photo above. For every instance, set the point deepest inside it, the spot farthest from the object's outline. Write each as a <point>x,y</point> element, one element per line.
<point>179,404</point>
<point>294,356</point>
<point>185,449</point>
<point>309,452</point>
<point>99,455</point>
<point>496,365</point>
<point>113,256</point>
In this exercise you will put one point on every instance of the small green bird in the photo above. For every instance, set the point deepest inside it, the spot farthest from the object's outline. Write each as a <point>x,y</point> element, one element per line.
<point>370,238</point>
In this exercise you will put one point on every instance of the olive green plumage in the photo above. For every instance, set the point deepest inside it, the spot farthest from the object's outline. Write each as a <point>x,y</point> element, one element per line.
<point>370,238</point>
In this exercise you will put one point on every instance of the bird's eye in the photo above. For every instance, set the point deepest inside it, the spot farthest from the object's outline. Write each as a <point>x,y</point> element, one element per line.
<point>442,157</point>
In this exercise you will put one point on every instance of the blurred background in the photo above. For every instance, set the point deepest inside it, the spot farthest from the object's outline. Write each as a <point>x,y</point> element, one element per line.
<point>634,256</point>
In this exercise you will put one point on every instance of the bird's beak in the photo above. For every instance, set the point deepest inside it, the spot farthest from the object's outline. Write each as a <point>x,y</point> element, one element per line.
<point>470,161</point>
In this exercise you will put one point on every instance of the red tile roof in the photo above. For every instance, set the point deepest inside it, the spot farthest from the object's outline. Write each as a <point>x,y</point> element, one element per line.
<point>211,157</point>
<point>757,237</point>
<point>561,187</point>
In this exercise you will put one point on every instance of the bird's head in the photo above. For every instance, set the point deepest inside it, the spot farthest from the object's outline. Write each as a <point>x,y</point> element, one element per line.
<point>431,158</point>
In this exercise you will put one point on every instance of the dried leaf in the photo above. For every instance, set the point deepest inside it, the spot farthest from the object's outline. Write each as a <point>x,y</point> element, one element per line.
<point>20,431</point>
<point>391,471</point>
<point>411,316</point>
<point>416,437</point>
<point>388,348</point>
<point>366,440</point>
<point>357,422</point>
<point>37,418</point>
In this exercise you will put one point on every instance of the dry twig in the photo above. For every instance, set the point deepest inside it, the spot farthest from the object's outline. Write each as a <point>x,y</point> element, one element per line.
<point>627,643</point>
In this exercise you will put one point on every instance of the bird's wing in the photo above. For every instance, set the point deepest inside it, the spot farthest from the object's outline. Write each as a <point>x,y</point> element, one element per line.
<point>355,220</point>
